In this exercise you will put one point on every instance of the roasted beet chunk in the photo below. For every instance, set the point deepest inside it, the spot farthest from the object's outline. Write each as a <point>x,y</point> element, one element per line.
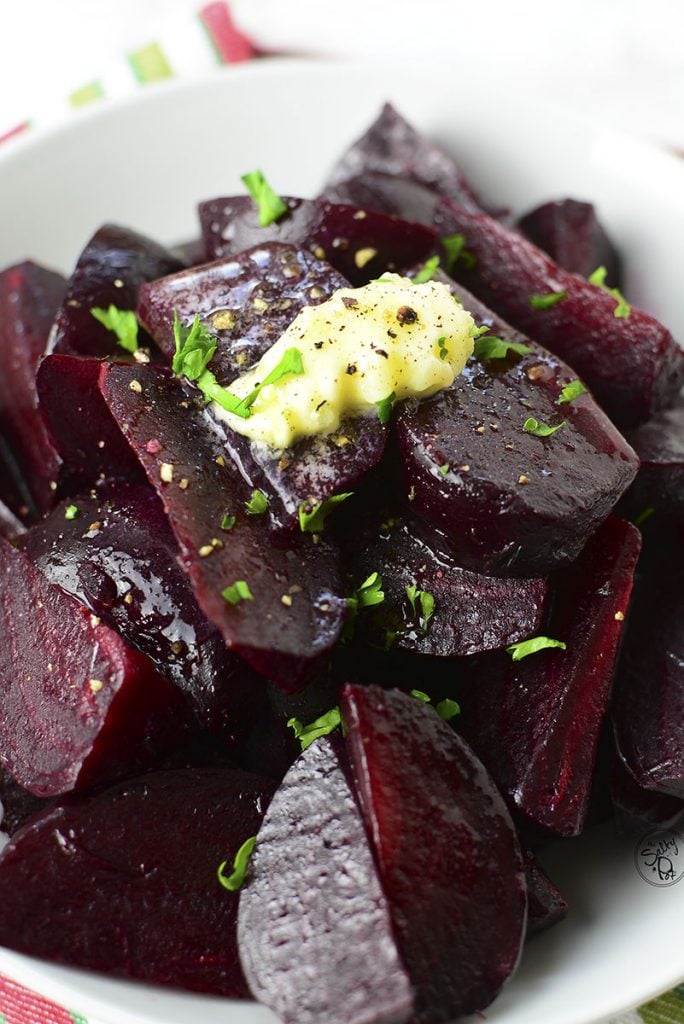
<point>78,705</point>
<point>239,576</point>
<point>637,810</point>
<point>314,927</point>
<point>472,613</point>
<point>536,722</point>
<point>29,298</point>
<point>360,244</point>
<point>569,231</point>
<point>447,852</point>
<point>660,481</point>
<point>124,881</point>
<point>118,556</point>
<point>109,271</point>
<point>511,502</point>
<point>545,904</point>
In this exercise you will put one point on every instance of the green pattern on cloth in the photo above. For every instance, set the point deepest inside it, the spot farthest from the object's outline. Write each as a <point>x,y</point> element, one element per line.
<point>667,1009</point>
<point>150,64</point>
<point>77,1018</point>
<point>86,94</point>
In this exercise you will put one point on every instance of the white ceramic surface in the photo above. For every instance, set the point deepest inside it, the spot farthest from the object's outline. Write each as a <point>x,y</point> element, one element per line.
<point>146,163</point>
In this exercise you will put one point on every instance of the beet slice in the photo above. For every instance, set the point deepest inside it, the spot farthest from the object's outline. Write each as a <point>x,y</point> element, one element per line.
<point>109,271</point>
<point>80,424</point>
<point>569,231</point>
<point>283,640</point>
<point>30,296</point>
<point>637,810</point>
<point>447,853</point>
<point>314,928</point>
<point>78,705</point>
<point>469,462</point>
<point>545,904</point>
<point>124,881</point>
<point>660,481</point>
<point>473,613</point>
<point>392,146</point>
<point>648,700</point>
<point>359,244</point>
<point>536,723</point>
<point>119,558</point>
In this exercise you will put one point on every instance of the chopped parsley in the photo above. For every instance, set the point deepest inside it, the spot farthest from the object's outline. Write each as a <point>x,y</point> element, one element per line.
<point>422,604</point>
<point>489,346</point>
<point>571,391</point>
<point>122,322</point>
<point>385,406</point>
<point>257,504</point>
<point>443,350</point>
<point>228,522</point>
<point>322,726</point>
<point>622,309</point>
<point>444,469</point>
<point>270,205</point>
<point>368,594</point>
<point>532,646</point>
<point>237,592</point>
<point>427,271</point>
<point>312,519</point>
<point>446,709</point>
<point>455,249</point>
<point>547,301</point>
<point>644,515</point>
<point>235,879</point>
<point>533,426</point>
<point>72,512</point>
<point>419,695</point>
<point>291,363</point>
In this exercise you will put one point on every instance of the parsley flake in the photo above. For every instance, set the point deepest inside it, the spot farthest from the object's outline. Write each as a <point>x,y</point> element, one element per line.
<point>448,709</point>
<point>270,205</point>
<point>72,512</point>
<point>228,522</point>
<point>369,593</point>
<point>291,363</point>
<point>548,300</point>
<point>443,350</point>
<point>488,346</point>
<point>427,271</point>
<point>622,309</point>
<point>235,879</point>
<point>237,592</point>
<point>644,515</point>
<point>533,426</point>
<point>444,469</point>
<point>312,519</point>
<point>571,391</point>
<point>385,406</point>
<point>122,322</point>
<point>419,695</point>
<point>455,249</point>
<point>422,604</point>
<point>532,646</point>
<point>323,726</point>
<point>257,504</point>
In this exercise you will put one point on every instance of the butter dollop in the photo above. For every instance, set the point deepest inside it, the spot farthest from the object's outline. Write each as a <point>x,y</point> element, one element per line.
<point>390,337</point>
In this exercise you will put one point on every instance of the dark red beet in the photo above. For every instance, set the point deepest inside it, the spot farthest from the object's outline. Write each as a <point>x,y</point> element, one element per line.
<point>18,805</point>
<point>119,558</point>
<point>648,699</point>
<point>14,491</point>
<point>660,481</point>
<point>472,614</point>
<point>569,231</point>
<point>447,853</point>
<point>392,146</point>
<point>637,810</point>
<point>109,271</point>
<point>80,424</point>
<point>536,723</point>
<point>283,641</point>
<point>314,928</point>
<point>388,194</point>
<point>30,296</point>
<point>191,253</point>
<point>545,904</point>
<point>124,881</point>
<point>78,705</point>
<point>10,526</point>
<point>510,502</point>
<point>359,244</point>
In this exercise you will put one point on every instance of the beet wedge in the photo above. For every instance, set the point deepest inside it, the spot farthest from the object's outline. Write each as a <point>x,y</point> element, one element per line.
<point>118,557</point>
<point>660,481</point>
<point>447,852</point>
<point>360,247</point>
<point>78,705</point>
<point>569,231</point>
<point>30,296</point>
<point>510,502</point>
<point>637,810</point>
<point>124,881</point>
<point>109,271</point>
<point>545,904</point>
<point>536,722</point>
<point>181,448</point>
<point>314,926</point>
<point>472,613</point>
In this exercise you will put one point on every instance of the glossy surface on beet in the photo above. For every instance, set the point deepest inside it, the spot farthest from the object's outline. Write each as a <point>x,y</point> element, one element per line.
<point>447,853</point>
<point>80,424</point>
<point>124,881</point>
<point>511,503</point>
<point>282,641</point>
<point>30,296</point>
<point>473,613</point>
<point>545,904</point>
<point>536,723</point>
<point>119,558</point>
<point>569,231</point>
<point>110,270</point>
<point>79,706</point>
<point>314,926</point>
<point>660,481</point>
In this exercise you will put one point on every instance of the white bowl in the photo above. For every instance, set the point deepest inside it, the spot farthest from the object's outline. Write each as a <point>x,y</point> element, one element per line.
<point>146,163</point>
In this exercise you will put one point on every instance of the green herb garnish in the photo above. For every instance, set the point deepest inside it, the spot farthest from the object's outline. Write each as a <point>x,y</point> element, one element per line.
<point>271,207</point>
<point>419,695</point>
<point>72,512</point>
<point>195,348</point>
<point>532,646</point>
<point>444,469</point>
<point>443,350</point>
<point>291,363</point>
<point>385,406</point>
<point>422,603</point>
<point>312,520</point>
<point>571,391</point>
<point>368,594</point>
<point>228,522</point>
<point>533,426</point>
<point>644,515</point>
<point>427,271</point>
<point>448,709</point>
<point>324,725</point>
<point>455,249</point>
<point>234,880</point>
<point>547,301</point>
<point>488,346</point>
<point>622,309</point>
<point>257,504</point>
<point>122,322</point>
<point>237,592</point>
